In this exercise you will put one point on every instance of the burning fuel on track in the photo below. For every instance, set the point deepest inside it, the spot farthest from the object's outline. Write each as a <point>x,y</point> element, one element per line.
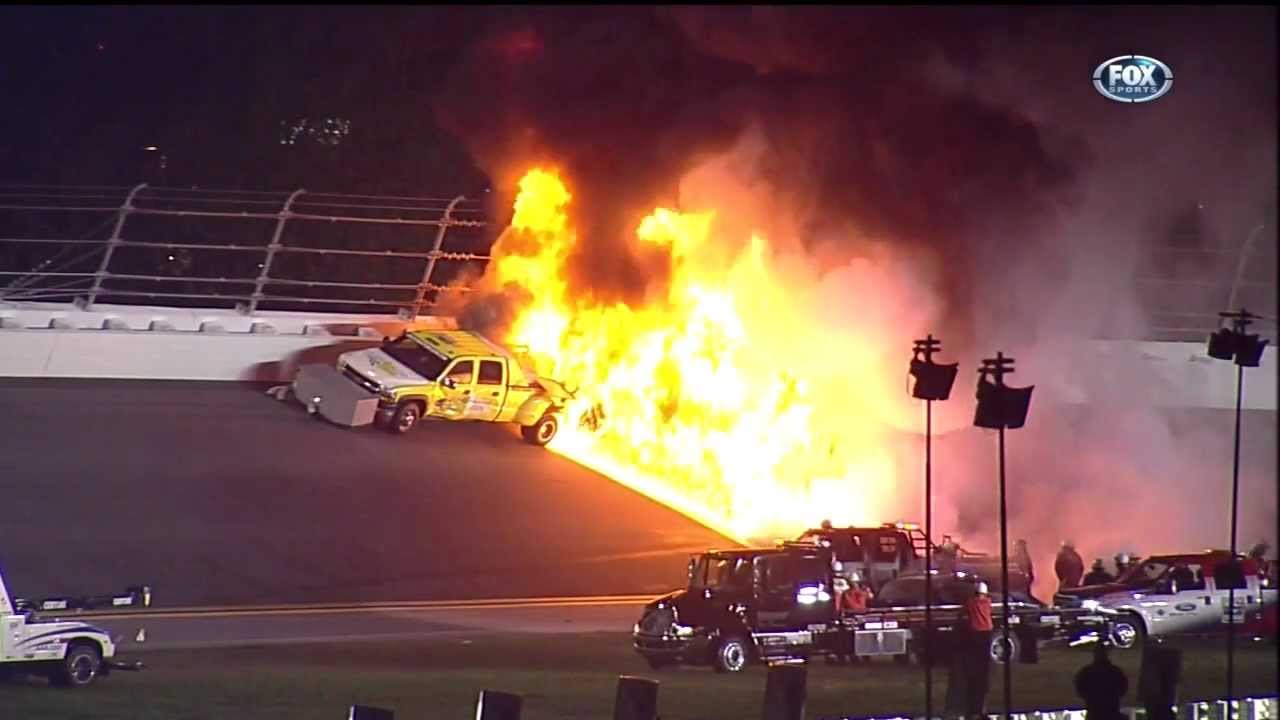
<point>729,224</point>
<point>725,396</point>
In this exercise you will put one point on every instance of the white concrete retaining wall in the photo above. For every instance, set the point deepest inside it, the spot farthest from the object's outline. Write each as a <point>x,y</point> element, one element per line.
<point>59,340</point>
<point>55,340</point>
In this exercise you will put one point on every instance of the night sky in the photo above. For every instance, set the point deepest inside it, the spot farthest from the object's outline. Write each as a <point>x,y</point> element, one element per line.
<point>935,127</point>
<point>87,88</point>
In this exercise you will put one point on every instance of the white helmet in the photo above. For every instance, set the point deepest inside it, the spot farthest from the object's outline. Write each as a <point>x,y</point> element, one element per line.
<point>855,577</point>
<point>837,567</point>
<point>982,588</point>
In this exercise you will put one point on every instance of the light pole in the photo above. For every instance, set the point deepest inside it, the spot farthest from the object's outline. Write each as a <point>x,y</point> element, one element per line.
<point>1000,407</point>
<point>1246,350</point>
<point>933,382</point>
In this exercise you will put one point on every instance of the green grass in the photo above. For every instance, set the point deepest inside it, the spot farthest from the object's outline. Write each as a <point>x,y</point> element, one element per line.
<point>562,676</point>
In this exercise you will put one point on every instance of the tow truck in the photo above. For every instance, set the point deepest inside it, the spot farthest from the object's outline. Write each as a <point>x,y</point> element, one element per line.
<point>70,653</point>
<point>1183,594</point>
<point>448,374</point>
<point>776,605</point>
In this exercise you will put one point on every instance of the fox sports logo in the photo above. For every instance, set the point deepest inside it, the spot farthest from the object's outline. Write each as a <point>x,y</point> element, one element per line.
<point>1133,79</point>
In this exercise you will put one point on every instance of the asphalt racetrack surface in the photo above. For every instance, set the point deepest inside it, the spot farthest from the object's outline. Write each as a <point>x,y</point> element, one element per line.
<point>216,494</point>
<point>163,630</point>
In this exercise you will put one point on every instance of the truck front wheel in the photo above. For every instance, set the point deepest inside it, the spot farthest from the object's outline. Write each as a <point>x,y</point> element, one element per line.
<point>79,667</point>
<point>731,655</point>
<point>541,432</point>
<point>1128,631</point>
<point>405,417</point>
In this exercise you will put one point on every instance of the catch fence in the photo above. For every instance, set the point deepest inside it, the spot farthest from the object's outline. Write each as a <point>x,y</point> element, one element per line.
<point>230,248</point>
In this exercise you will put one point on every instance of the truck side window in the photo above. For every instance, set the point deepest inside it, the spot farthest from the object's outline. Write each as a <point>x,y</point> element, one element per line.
<point>490,373</point>
<point>1229,576</point>
<point>888,548</point>
<point>777,575</point>
<point>462,372</point>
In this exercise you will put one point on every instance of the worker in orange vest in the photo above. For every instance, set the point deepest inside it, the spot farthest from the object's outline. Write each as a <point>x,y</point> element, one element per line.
<point>852,596</point>
<point>977,648</point>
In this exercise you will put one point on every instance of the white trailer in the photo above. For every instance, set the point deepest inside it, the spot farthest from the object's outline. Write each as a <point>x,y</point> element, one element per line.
<point>71,653</point>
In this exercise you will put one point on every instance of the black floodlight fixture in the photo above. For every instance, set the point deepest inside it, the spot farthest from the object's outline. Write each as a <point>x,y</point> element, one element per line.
<point>1233,343</point>
<point>1222,344</point>
<point>933,380</point>
<point>1000,406</point>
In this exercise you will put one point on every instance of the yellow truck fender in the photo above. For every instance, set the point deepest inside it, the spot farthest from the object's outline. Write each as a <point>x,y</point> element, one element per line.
<point>532,410</point>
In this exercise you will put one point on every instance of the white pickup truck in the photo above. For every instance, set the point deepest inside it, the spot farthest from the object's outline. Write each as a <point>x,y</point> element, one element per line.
<point>1184,594</point>
<point>71,653</point>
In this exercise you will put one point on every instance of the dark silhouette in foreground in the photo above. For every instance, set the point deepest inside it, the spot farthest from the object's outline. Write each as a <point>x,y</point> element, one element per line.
<point>1101,684</point>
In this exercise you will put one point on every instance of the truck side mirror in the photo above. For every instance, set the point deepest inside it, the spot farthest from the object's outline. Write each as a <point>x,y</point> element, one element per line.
<point>448,382</point>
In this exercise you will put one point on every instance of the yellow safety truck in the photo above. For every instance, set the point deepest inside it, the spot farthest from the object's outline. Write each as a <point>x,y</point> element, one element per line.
<point>449,374</point>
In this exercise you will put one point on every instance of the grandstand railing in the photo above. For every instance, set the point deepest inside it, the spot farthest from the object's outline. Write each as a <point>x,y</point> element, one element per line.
<point>223,248</point>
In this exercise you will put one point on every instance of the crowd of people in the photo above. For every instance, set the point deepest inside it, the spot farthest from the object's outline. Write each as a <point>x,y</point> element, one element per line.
<point>1069,566</point>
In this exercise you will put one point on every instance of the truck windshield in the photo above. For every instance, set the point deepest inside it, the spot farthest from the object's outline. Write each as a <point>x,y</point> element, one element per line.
<point>417,358</point>
<point>1144,573</point>
<point>721,572</point>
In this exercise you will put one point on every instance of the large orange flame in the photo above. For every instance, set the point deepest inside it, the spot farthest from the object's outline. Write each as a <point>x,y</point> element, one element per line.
<point>723,398</point>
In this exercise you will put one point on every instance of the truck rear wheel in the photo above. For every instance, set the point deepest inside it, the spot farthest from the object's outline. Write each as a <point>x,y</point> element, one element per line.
<point>79,667</point>
<point>731,655</point>
<point>405,417</point>
<point>541,432</point>
<point>1000,653</point>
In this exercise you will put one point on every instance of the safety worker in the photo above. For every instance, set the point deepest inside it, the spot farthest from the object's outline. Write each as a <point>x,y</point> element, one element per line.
<point>977,650</point>
<point>1098,574</point>
<point>857,597</point>
<point>947,553</point>
<point>1259,552</point>
<point>1101,685</point>
<point>1124,561</point>
<point>1022,558</point>
<point>1069,567</point>
<point>841,586</point>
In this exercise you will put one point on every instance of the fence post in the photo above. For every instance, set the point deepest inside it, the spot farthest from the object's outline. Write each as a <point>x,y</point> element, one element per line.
<point>112,243</point>
<point>1240,264</point>
<point>445,221</point>
<point>285,213</point>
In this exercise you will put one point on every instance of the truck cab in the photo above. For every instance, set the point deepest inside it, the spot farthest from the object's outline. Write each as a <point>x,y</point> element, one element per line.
<point>1183,594</point>
<point>70,653</point>
<point>742,606</point>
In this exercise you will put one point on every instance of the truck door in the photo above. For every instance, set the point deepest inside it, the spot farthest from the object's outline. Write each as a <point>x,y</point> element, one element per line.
<point>793,591</point>
<point>490,391</point>
<point>775,593</point>
<point>456,387</point>
<point>1186,602</point>
<point>1229,576</point>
